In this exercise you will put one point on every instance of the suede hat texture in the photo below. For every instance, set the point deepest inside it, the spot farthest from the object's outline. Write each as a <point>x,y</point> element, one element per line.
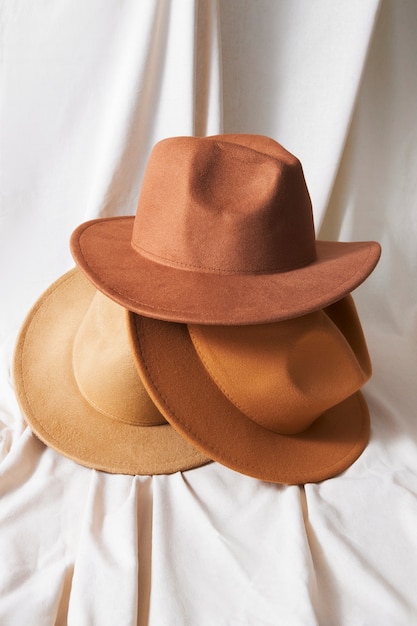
<point>223,235</point>
<point>279,401</point>
<point>80,392</point>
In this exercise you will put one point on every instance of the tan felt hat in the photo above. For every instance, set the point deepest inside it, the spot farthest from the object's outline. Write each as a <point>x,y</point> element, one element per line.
<point>279,401</point>
<point>78,387</point>
<point>223,234</point>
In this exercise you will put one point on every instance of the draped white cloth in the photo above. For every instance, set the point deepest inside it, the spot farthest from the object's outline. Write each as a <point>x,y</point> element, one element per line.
<point>87,88</point>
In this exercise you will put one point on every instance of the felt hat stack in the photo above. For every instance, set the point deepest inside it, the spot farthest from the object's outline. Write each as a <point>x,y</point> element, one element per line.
<point>210,326</point>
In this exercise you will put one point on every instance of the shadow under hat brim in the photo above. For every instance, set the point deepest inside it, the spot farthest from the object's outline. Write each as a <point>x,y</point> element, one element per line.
<point>60,416</point>
<point>190,400</point>
<point>102,249</point>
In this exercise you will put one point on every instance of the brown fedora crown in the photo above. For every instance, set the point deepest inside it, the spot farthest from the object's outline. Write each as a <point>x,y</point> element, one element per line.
<point>225,207</point>
<point>223,234</point>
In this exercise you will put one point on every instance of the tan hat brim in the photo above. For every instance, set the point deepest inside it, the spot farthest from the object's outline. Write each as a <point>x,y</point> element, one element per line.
<point>157,290</point>
<point>58,413</point>
<point>192,402</point>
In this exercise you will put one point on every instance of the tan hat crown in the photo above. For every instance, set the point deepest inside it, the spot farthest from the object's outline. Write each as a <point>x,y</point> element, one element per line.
<point>104,368</point>
<point>226,207</point>
<point>79,388</point>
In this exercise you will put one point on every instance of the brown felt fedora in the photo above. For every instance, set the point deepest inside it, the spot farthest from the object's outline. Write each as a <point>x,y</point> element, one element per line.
<point>279,401</point>
<point>223,234</point>
<point>80,392</point>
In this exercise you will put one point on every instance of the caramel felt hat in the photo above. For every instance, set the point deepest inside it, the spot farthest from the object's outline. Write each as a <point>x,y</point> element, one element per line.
<point>80,392</point>
<point>279,402</point>
<point>223,234</point>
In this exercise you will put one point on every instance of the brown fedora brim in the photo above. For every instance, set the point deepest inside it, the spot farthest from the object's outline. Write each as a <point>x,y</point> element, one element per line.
<point>187,396</point>
<point>102,249</point>
<point>59,414</point>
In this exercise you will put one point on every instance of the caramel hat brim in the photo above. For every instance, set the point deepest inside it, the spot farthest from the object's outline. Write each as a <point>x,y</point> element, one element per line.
<point>102,249</point>
<point>192,402</point>
<point>57,412</point>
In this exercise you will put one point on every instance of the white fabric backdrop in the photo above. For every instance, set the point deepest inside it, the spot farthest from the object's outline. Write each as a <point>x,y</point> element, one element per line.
<point>86,90</point>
